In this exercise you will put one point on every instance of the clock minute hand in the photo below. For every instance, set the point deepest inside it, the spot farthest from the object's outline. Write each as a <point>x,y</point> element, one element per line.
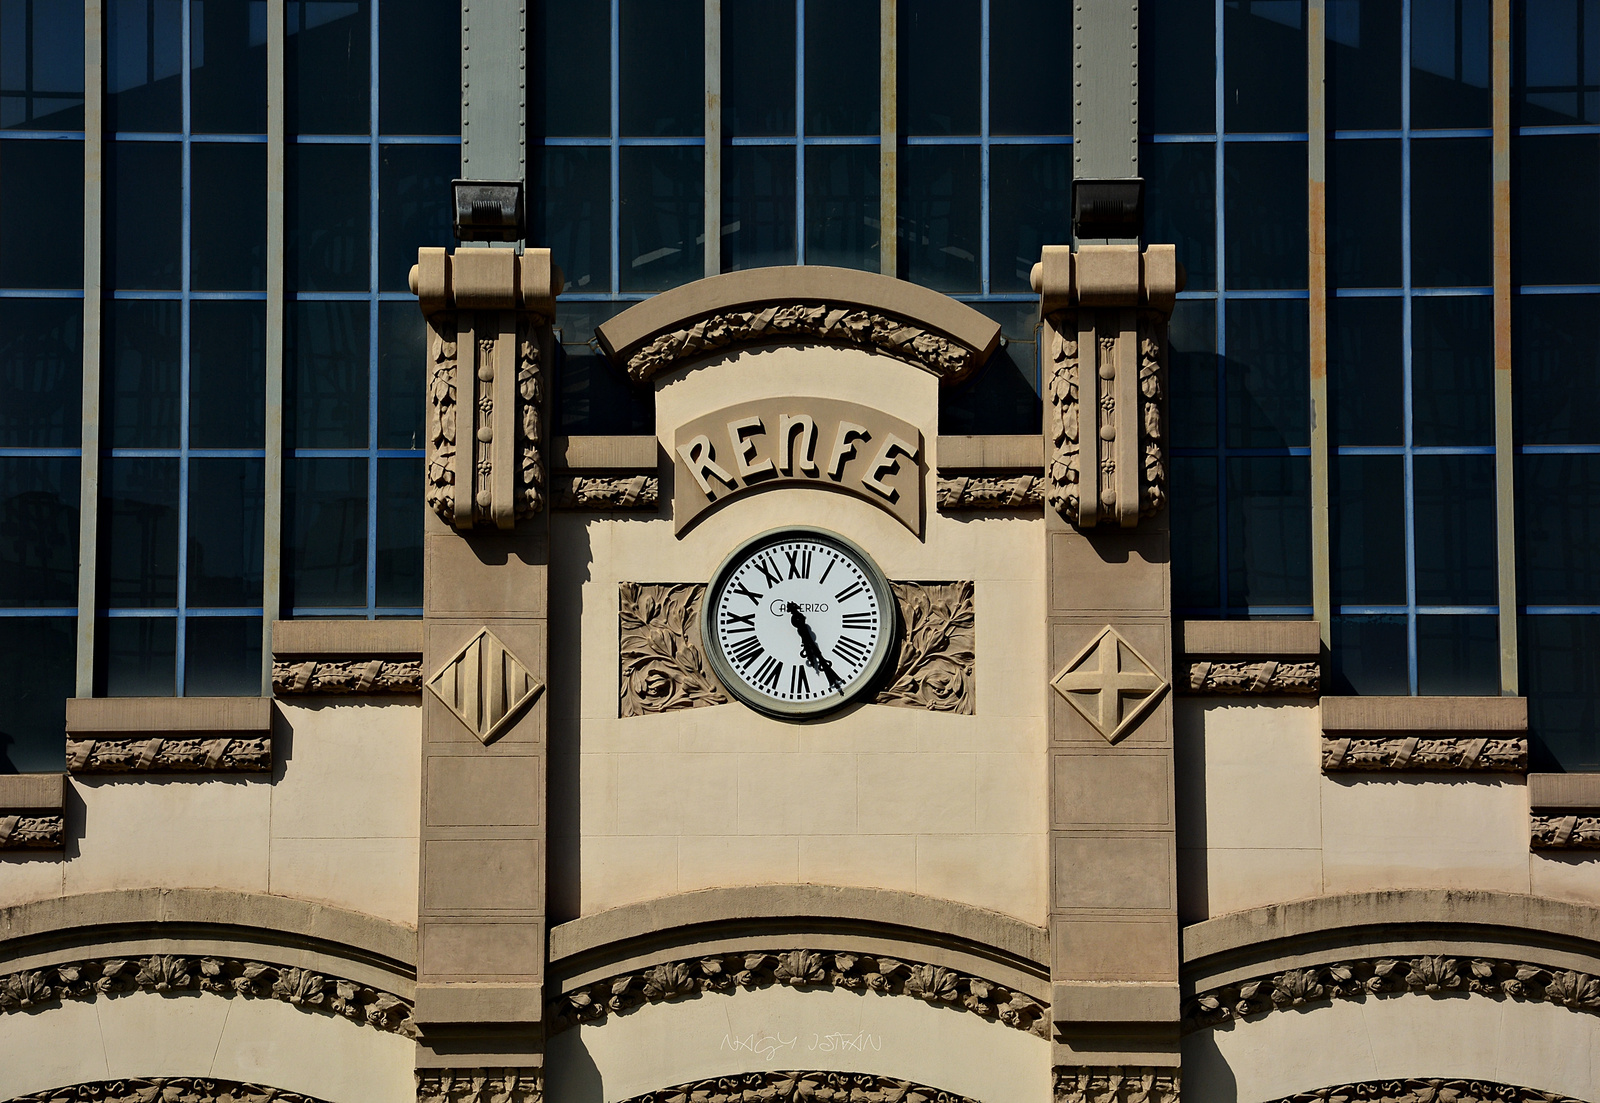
<point>809,648</point>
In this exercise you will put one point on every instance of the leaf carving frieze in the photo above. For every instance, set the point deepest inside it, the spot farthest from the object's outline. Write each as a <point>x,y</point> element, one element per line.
<point>164,1089</point>
<point>801,1087</point>
<point>1427,1091</point>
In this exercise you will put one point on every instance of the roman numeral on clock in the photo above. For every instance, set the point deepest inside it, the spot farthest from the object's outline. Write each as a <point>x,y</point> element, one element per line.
<point>745,651</point>
<point>850,649</point>
<point>740,588</point>
<point>849,592</point>
<point>735,623</point>
<point>798,682</point>
<point>768,673</point>
<point>860,620</point>
<point>768,571</point>
<point>799,562</point>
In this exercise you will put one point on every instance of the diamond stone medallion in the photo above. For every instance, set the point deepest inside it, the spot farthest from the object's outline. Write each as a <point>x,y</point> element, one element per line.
<point>1110,684</point>
<point>485,685</point>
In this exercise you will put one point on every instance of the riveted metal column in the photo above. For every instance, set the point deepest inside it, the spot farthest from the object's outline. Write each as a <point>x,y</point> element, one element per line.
<point>89,441</point>
<point>494,90</point>
<point>1105,89</point>
<point>888,138</point>
<point>1317,269</point>
<point>1504,456</point>
<point>272,523</point>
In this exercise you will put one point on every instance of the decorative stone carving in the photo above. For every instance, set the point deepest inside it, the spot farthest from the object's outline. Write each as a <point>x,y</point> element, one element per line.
<point>1427,1091</point>
<point>480,1085</point>
<point>347,676</point>
<point>935,667</point>
<point>123,756</point>
<point>1356,979</point>
<point>32,831</point>
<point>1110,684</point>
<point>164,1089</point>
<point>485,686</point>
<point>169,973</point>
<point>1115,1084</point>
<point>800,1087</point>
<point>958,491</point>
<point>1268,676</point>
<point>799,969</point>
<point>1418,753</point>
<point>791,322</point>
<point>1565,832</point>
<point>607,492</point>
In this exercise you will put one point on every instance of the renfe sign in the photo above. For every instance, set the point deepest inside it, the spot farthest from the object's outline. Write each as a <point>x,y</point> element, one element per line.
<point>821,442</point>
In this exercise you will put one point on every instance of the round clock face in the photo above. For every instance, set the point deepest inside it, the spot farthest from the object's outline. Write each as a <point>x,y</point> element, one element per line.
<point>797,622</point>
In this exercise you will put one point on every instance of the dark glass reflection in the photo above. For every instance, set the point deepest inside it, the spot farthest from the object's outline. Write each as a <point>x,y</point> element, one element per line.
<point>1195,564</point>
<point>413,207</point>
<point>1555,208</point>
<point>592,394</point>
<point>139,533</point>
<point>1269,531</point>
<point>1455,545</point>
<point>758,93</point>
<point>575,217</point>
<point>1363,64</point>
<point>1366,372</point>
<point>1560,658</point>
<point>38,532</point>
<point>1369,655</point>
<point>1268,396</point>
<point>1264,42</point>
<point>225,508</point>
<point>38,658</point>
<point>1452,228</point>
<point>1556,351</point>
<point>402,364</point>
<point>325,348</point>
<point>399,559</point>
<point>939,217</point>
<point>842,206</point>
<point>841,67</point>
<point>1458,656</point>
<point>758,207</point>
<point>138,656</point>
<point>1449,63</point>
<point>1030,191</point>
<point>228,66</point>
<point>1265,200</point>
<point>41,193</point>
<point>1367,513</point>
<point>1556,66</point>
<point>1180,205</point>
<point>1452,370</point>
<point>228,209</point>
<point>41,68</point>
<point>1558,529</point>
<point>326,201</point>
<point>939,66</point>
<point>662,217</point>
<point>222,657</point>
<point>1177,67</point>
<point>1364,235</point>
<point>144,208</point>
<point>662,68</point>
<point>1192,374</point>
<point>1030,91</point>
<point>326,57</point>
<point>144,65</point>
<point>41,372</point>
<point>227,373</point>
<point>325,533</point>
<point>142,386</point>
<point>569,45</point>
<point>419,69</point>
<point>1002,397</point>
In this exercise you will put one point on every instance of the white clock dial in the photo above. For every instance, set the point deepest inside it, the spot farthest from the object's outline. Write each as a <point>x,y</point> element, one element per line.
<point>798,622</point>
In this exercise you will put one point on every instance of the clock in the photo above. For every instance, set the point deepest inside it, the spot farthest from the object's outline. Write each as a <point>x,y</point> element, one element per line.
<point>798,622</point>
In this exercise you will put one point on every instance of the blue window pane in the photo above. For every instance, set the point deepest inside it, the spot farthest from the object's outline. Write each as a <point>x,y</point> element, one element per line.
<point>144,243</point>
<point>592,394</point>
<point>1030,190</point>
<point>1195,564</point>
<point>1554,76</point>
<point>225,510</point>
<point>1458,656</point>
<point>1363,64</point>
<point>326,52</point>
<point>38,532</point>
<point>1030,91</point>
<point>662,65</point>
<point>1449,63</point>
<point>41,372</point>
<point>399,558</point>
<point>325,538</point>
<point>1556,354</point>
<point>1454,534</point>
<point>222,657</point>
<point>1555,212</point>
<point>1558,529</point>
<point>938,51</point>
<point>141,346</point>
<point>1180,205</point>
<point>228,60</point>
<point>662,217</point>
<point>1002,397</point>
<point>758,92</point>
<point>574,217</point>
<point>1452,371</point>
<point>41,65</point>
<point>843,194</point>
<point>138,656</point>
<point>758,207</point>
<point>326,346</point>
<point>1364,236</point>
<point>1452,229</point>
<point>1192,374</point>
<point>1366,378</point>
<point>939,235</point>
<point>41,234</point>
<point>326,197</point>
<point>37,660</point>
<point>402,352</point>
<point>139,534</point>
<point>1177,70</point>
<point>227,374</point>
<point>1265,201</point>
<point>413,207</point>
<point>1269,531</point>
<point>1268,376</point>
<point>1560,659</point>
<point>841,67</point>
<point>228,207</point>
<point>1367,500</point>
<point>569,43</point>
<point>1265,67</point>
<point>419,68</point>
<point>1369,655</point>
<point>144,65</point>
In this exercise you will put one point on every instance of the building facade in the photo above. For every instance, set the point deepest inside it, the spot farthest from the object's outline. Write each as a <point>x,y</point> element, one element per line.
<point>514,582</point>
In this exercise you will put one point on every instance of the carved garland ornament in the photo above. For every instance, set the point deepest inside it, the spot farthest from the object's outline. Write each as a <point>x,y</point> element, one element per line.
<point>799,969</point>
<point>32,831</point>
<point>123,756</point>
<point>349,676</point>
<point>480,1085</point>
<point>991,491</point>
<point>1266,676</point>
<point>1414,753</point>
<point>1565,832</point>
<point>839,325</point>
<point>1427,1091</point>
<point>1432,975</point>
<point>800,1087</point>
<point>165,1089</point>
<point>84,980</point>
<point>608,492</point>
<point>1116,1084</point>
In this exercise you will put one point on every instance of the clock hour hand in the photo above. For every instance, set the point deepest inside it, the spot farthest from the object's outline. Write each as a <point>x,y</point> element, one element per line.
<point>809,648</point>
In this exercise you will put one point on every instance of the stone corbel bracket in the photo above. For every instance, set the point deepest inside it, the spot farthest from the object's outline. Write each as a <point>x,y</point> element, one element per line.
<point>1250,657</point>
<point>1564,813</point>
<point>488,314</point>
<point>991,473</point>
<point>31,812</point>
<point>1462,734</point>
<point>1105,309</point>
<point>346,657</point>
<point>606,473</point>
<point>125,735</point>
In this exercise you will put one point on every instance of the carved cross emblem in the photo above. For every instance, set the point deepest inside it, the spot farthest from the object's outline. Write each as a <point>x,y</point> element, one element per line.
<point>1110,684</point>
<point>485,685</point>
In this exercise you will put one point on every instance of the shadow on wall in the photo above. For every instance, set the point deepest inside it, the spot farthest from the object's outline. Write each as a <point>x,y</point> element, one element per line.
<point>1207,1077</point>
<point>569,572</point>
<point>570,1074</point>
